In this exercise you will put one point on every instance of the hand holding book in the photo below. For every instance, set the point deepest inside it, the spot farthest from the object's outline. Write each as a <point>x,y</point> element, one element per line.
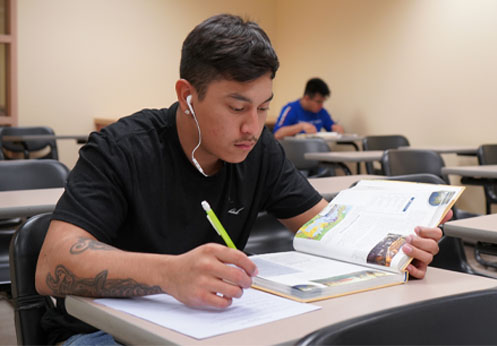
<point>423,247</point>
<point>365,238</point>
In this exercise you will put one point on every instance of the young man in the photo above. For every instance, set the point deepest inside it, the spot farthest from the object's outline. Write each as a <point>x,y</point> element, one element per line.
<point>130,221</point>
<point>306,115</point>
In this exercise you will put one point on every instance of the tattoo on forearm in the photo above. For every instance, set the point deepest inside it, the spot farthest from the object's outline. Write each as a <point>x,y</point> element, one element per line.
<point>84,244</point>
<point>65,282</point>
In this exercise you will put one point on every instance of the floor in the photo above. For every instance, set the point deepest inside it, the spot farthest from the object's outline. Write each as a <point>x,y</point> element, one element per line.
<point>7,327</point>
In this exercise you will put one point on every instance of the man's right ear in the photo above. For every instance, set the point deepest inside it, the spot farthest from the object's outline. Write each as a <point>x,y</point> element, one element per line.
<point>184,95</point>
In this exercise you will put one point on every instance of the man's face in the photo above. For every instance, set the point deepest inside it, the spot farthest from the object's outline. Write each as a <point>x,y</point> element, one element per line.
<point>315,103</point>
<point>231,117</point>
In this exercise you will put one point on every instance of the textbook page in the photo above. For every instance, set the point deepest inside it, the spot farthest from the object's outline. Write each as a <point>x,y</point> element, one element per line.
<point>306,277</point>
<point>367,224</point>
<point>252,309</point>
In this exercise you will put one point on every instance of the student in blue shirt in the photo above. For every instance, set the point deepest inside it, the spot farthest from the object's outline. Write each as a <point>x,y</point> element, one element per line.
<point>307,115</point>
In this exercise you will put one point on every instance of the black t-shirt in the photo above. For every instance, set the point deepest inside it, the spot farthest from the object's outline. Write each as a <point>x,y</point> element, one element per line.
<point>134,188</point>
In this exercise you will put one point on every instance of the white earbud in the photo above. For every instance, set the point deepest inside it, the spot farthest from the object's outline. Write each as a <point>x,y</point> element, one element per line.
<point>194,160</point>
<point>189,103</point>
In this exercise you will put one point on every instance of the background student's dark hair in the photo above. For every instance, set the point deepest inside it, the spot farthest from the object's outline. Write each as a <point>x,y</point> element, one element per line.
<point>316,86</point>
<point>228,47</point>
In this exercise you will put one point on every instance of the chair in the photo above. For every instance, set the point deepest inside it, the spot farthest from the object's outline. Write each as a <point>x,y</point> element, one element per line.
<point>463,319</point>
<point>19,175</point>
<point>29,305</point>
<point>411,161</point>
<point>41,149</point>
<point>487,155</point>
<point>268,235</point>
<point>382,143</point>
<point>295,148</point>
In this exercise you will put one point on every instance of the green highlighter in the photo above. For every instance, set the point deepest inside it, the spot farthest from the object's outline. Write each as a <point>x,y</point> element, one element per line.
<point>216,224</point>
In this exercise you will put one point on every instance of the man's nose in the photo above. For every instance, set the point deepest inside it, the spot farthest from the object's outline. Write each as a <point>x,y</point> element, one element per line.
<point>250,123</point>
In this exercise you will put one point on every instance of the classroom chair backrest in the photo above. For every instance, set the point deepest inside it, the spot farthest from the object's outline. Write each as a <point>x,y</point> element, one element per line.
<point>382,142</point>
<point>463,319</point>
<point>29,305</point>
<point>20,175</point>
<point>295,148</point>
<point>268,235</point>
<point>412,161</point>
<point>32,174</point>
<point>487,155</point>
<point>40,149</point>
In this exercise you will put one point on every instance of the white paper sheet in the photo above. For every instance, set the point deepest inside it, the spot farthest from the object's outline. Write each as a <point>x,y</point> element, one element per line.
<point>254,308</point>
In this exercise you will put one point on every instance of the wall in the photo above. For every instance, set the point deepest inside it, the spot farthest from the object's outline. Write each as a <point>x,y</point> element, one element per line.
<point>80,59</point>
<point>422,68</point>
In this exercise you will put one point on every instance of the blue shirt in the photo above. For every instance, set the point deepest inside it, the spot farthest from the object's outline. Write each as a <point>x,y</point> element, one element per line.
<point>293,113</point>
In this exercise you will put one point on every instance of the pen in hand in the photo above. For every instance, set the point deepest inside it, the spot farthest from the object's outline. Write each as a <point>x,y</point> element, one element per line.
<point>216,224</point>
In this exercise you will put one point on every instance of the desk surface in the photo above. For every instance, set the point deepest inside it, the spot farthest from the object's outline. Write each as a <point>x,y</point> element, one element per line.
<point>346,156</point>
<point>21,203</point>
<point>20,138</point>
<point>329,187</point>
<point>132,330</point>
<point>447,149</point>
<point>332,137</point>
<point>480,228</point>
<point>479,171</point>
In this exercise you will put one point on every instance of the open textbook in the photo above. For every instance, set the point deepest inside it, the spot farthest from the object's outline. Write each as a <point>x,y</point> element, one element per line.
<point>354,244</point>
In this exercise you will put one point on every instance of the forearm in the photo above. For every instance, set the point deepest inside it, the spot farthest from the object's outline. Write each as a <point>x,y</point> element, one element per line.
<point>78,264</point>
<point>290,130</point>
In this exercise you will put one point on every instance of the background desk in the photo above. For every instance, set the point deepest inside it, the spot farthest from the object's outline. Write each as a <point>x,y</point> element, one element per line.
<point>447,149</point>
<point>478,171</point>
<point>20,203</point>
<point>346,156</point>
<point>480,228</point>
<point>132,330</point>
<point>329,187</point>
<point>79,138</point>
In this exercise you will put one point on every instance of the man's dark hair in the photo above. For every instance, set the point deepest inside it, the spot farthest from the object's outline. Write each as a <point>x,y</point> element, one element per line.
<point>226,47</point>
<point>316,86</point>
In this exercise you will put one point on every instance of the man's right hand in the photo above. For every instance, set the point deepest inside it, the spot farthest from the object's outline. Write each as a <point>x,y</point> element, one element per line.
<point>204,276</point>
<point>308,127</point>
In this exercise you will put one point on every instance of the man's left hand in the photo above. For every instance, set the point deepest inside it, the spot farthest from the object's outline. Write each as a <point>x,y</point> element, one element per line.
<point>423,247</point>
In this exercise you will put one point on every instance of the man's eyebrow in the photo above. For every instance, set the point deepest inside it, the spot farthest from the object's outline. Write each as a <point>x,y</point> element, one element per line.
<point>246,99</point>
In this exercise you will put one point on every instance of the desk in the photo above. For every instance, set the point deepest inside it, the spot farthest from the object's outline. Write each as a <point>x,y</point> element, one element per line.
<point>346,156</point>
<point>20,203</point>
<point>341,157</point>
<point>478,171</point>
<point>81,139</point>
<point>480,228</point>
<point>329,187</point>
<point>447,149</point>
<point>132,330</point>
<point>330,137</point>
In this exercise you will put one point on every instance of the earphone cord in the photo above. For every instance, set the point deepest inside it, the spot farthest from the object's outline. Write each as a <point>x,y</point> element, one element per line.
<point>198,145</point>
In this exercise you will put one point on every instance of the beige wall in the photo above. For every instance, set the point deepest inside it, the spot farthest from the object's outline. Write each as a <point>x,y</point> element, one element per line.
<point>80,59</point>
<point>423,68</point>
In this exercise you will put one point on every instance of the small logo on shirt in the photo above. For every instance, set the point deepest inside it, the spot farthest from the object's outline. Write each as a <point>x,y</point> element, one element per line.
<point>235,211</point>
